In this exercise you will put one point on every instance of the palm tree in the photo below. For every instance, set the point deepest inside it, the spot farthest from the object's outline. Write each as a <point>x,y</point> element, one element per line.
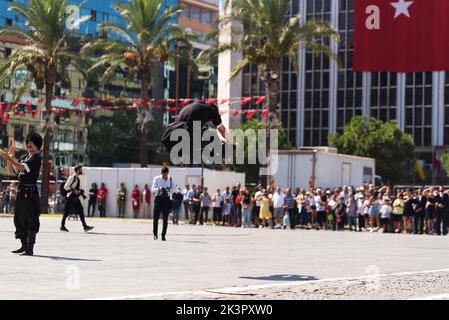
<point>265,38</point>
<point>148,40</point>
<point>44,59</point>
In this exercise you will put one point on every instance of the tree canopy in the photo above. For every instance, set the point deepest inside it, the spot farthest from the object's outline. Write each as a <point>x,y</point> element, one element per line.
<point>383,141</point>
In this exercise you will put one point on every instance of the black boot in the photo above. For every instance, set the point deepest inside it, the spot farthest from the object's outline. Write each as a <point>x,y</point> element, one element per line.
<point>30,244</point>
<point>23,248</point>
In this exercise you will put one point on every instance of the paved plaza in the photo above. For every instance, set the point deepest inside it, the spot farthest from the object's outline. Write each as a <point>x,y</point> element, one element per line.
<point>120,260</point>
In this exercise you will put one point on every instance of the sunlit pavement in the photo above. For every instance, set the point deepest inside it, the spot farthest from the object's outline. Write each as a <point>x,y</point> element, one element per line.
<point>119,259</point>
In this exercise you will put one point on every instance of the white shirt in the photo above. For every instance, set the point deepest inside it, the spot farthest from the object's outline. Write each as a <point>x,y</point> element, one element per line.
<point>318,203</point>
<point>159,182</point>
<point>185,194</point>
<point>257,195</point>
<point>278,200</point>
<point>385,211</point>
<point>226,195</point>
<point>217,202</point>
<point>70,184</point>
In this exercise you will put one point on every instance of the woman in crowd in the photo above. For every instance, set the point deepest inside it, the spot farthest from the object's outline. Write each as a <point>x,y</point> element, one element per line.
<point>374,211</point>
<point>430,194</point>
<point>331,210</point>
<point>145,200</point>
<point>102,194</point>
<point>246,203</point>
<point>409,212</point>
<point>351,211</point>
<point>135,198</point>
<point>265,215</point>
<point>302,203</point>
<point>340,212</point>
<point>92,202</point>
<point>398,211</point>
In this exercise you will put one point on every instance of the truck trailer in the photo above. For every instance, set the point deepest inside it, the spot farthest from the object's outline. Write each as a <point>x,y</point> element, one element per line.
<point>320,167</point>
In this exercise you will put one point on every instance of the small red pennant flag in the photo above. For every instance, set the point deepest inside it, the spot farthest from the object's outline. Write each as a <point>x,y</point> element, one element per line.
<point>211,101</point>
<point>246,101</point>
<point>265,113</point>
<point>250,114</point>
<point>260,99</point>
<point>5,118</point>
<point>235,113</point>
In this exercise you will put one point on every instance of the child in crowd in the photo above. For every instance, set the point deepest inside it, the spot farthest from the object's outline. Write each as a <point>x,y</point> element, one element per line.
<point>340,213</point>
<point>385,215</point>
<point>351,210</point>
<point>228,210</point>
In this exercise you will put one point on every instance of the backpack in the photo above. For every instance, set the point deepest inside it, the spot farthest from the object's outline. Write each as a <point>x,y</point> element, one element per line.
<point>63,191</point>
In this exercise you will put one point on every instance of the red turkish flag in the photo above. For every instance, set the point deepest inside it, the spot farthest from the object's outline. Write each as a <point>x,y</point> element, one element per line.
<point>401,35</point>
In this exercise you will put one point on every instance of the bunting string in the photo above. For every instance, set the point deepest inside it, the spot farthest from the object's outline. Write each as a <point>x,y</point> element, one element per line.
<point>79,105</point>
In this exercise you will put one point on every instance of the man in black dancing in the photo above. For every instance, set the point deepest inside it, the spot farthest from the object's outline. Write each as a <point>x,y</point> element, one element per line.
<point>73,203</point>
<point>27,209</point>
<point>162,187</point>
<point>198,114</point>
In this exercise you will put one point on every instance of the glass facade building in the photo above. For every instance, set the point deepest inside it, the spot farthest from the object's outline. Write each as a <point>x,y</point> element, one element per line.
<point>323,98</point>
<point>100,11</point>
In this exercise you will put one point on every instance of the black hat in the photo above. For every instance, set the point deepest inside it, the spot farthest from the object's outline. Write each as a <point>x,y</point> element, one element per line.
<point>78,167</point>
<point>164,170</point>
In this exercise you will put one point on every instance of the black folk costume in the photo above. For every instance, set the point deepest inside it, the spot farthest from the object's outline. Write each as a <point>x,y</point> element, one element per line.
<point>27,209</point>
<point>73,204</point>
<point>202,113</point>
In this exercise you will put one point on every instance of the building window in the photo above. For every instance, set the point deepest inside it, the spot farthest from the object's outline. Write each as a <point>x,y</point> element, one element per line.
<point>195,14</point>
<point>18,133</point>
<point>8,22</point>
<point>206,16</point>
<point>7,52</point>
<point>186,12</point>
<point>93,15</point>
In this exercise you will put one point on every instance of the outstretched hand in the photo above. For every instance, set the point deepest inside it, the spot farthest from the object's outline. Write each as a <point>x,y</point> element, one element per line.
<point>12,152</point>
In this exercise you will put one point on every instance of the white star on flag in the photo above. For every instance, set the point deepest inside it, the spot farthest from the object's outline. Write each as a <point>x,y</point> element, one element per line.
<point>402,8</point>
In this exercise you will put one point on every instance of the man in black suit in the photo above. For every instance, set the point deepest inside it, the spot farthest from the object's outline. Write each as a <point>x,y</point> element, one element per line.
<point>420,209</point>
<point>442,206</point>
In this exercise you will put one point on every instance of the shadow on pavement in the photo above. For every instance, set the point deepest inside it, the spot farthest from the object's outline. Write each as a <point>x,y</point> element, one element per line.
<point>65,258</point>
<point>187,241</point>
<point>283,277</point>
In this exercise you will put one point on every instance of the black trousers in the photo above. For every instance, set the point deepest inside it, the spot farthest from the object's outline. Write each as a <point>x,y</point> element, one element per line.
<point>204,210</point>
<point>196,212</point>
<point>161,207</point>
<point>217,214</point>
<point>26,212</point>
<point>418,222</point>
<point>102,208</point>
<point>292,213</point>
<point>361,221</point>
<point>186,209</point>
<point>73,206</point>
<point>441,222</point>
<point>91,207</point>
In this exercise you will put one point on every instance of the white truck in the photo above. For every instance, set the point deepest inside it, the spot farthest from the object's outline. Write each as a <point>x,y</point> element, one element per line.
<point>320,167</point>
